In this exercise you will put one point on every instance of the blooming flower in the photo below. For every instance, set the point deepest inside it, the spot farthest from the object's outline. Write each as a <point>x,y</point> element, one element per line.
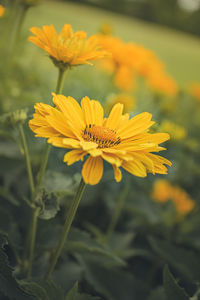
<point>2,9</point>
<point>163,191</point>
<point>120,141</point>
<point>67,49</point>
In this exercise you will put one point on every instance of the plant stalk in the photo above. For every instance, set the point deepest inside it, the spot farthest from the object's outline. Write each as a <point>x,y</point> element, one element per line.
<point>69,219</point>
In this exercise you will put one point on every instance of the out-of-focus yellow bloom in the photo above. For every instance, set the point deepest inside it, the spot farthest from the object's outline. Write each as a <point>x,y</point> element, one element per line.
<point>195,90</point>
<point>130,60</point>
<point>176,132</point>
<point>67,49</point>
<point>184,204</point>
<point>127,100</point>
<point>2,10</point>
<point>164,191</point>
<point>163,84</point>
<point>106,29</point>
<point>120,141</point>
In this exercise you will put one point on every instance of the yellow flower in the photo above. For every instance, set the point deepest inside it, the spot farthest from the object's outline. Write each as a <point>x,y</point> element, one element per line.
<point>2,9</point>
<point>120,141</point>
<point>195,90</point>
<point>162,83</point>
<point>177,133</point>
<point>184,204</point>
<point>125,99</point>
<point>162,190</point>
<point>67,49</point>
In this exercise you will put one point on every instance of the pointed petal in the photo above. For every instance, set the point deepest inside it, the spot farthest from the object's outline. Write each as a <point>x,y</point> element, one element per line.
<point>73,156</point>
<point>92,111</point>
<point>114,117</point>
<point>117,173</point>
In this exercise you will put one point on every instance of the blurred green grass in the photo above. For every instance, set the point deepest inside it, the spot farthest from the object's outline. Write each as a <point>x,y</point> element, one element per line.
<point>180,52</point>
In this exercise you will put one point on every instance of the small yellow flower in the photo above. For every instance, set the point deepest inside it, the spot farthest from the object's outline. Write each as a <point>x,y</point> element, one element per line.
<point>125,99</point>
<point>164,191</point>
<point>162,83</point>
<point>120,141</point>
<point>2,9</point>
<point>177,132</point>
<point>67,49</point>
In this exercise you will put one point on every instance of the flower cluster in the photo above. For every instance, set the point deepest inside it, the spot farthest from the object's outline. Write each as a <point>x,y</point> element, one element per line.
<point>129,60</point>
<point>120,141</point>
<point>66,48</point>
<point>163,191</point>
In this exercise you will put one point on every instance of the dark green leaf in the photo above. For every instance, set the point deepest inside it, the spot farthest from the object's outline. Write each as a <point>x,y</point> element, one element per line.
<point>183,260</point>
<point>9,286</point>
<point>172,289</point>
<point>72,294</point>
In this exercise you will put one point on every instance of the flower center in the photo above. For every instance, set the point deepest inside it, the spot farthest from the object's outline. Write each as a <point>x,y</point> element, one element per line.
<point>102,136</point>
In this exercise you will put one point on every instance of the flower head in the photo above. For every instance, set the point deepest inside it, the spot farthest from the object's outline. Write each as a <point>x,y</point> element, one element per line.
<point>2,9</point>
<point>120,141</point>
<point>164,191</point>
<point>67,48</point>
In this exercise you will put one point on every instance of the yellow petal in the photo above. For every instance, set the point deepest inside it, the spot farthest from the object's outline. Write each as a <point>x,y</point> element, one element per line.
<point>114,117</point>
<point>112,159</point>
<point>73,156</point>
<point>92,111</point>
<point>92,170</point>
<point>117,173</point>
<point>135,167</point>
<point>88,145</point>
<point>71,143</point>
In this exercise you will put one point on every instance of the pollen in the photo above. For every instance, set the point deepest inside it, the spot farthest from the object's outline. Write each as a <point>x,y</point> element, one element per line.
<point>103,136</point>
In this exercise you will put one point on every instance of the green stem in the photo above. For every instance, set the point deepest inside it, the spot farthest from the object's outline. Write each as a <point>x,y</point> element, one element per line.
<point>33,229</point>
<point>59,86</point>
<point>27,157</point>
<point>69,219</point>
<point>117,212</point>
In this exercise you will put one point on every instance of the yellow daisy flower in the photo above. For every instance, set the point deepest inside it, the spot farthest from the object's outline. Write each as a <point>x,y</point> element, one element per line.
<point>120,141</point>
<point>67,49</point>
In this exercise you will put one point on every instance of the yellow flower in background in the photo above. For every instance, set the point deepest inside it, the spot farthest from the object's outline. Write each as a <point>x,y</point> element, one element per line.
<point>120,141</point>
<point>67,49</point>
<point>127,100</point>
<point>176,132</point>
<point>2,10</point>
<point>195,90</point>
<point>124,79</point>
<point>162,83</point>
<point>164,191</point>
<point>184,204</point>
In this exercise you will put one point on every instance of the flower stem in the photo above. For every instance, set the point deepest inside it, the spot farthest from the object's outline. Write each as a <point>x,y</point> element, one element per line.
<point>69,219</point>
<point>33,229</point>
<point>27,157</point>
<point>117,212</point>
<point>59,86</point>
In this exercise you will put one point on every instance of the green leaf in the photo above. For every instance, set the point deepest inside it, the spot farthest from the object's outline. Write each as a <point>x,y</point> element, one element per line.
<point>49,203</point>
<point>172,289</point>
<point>9,286</point>
<point>81,242</point>
<point>185,261</point>
<point>72,294</point>
<point>36,290</point>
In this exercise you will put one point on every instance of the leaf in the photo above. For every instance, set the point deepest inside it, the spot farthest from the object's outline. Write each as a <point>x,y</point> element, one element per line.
<point>36,290</point>
<point>9,286</point>
<point>81,242</point>
<point>185,261</point>
<point>113,283</point>
<point>49,203</point>
<point>72,294</point>
<point>157,294</point>
<point>172,289</point>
